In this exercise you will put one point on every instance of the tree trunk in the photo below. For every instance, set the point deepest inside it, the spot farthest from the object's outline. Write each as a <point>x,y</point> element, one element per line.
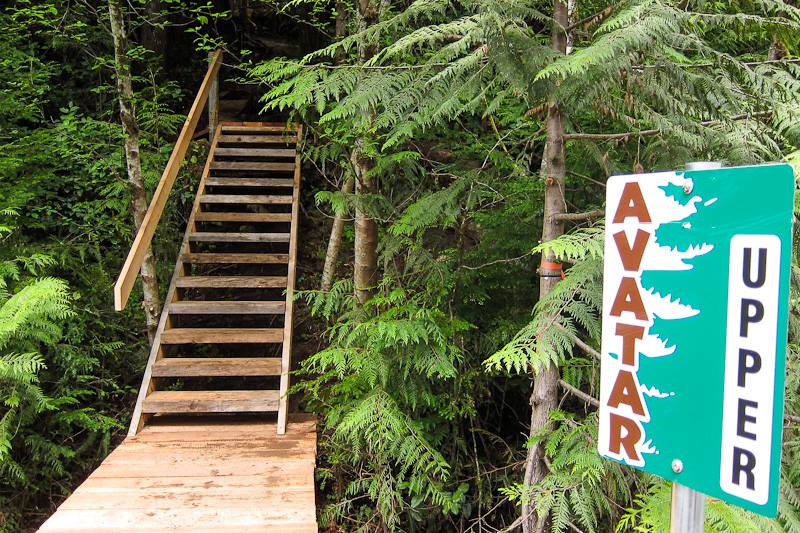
<point>365,264</point>
<point>334,243</point>
<point>544,398</point>
<point>366,229</point>
<point>127,115</point>
<point>154,36</point>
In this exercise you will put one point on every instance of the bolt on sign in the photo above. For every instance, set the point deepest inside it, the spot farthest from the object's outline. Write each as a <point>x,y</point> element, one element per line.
<point>695,314</point>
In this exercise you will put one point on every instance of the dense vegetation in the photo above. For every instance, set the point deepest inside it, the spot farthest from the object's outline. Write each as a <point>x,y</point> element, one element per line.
<point>466,141</point>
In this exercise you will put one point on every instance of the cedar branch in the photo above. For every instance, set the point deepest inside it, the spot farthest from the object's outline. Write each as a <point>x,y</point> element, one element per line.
<point>624,136</point>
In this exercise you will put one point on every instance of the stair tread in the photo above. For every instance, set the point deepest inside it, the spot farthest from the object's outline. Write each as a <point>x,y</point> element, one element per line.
<point>209,216</point>
<point>249,182</point>
<point>211,401</point>
<point>236,282</point>
<point>251,165</point>
<point>288,138</point>
<point>244,128</point>
<point>256,152</point>
<point>224,236</point>
<point>217,366</point>
<point>245,199</point>
<point>235,258</point>
<point>226,307</point>
<point>221,335</point>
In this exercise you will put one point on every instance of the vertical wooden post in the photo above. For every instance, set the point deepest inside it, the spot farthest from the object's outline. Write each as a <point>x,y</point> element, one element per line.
<point>213,103</point>
<point>688,510</point>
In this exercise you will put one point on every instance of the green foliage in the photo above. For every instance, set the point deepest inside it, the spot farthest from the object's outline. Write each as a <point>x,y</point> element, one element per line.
<point>652,509</point>
<point>582,488</point>
<point>375,386</point>
<point>570,310</point>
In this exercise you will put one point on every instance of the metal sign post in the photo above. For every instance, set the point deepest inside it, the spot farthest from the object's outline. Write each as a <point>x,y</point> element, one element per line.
<point>687,513</point>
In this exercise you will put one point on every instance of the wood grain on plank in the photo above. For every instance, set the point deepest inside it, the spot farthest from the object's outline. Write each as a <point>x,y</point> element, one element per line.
<point>248,128</point>
<point>250,165</point>
<point>256,152</point>
<point>248,182</point>
<point>245,199</point>
<point>235,258</point>
<point>237,401</point>
<point>208,216</point>
<point>222,335</point>
<point>216,366</point>
<point>301,424</point>
<point>258,139</point>
<point>231,282</point>
<point>227,307</point>
<point>200,474</point>
<point>104,519</point>
<point>225,236</point>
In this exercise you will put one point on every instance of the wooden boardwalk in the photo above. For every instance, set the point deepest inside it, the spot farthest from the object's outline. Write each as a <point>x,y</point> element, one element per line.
<point>200,475</point>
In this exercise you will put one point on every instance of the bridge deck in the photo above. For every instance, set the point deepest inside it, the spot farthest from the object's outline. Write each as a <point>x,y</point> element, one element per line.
<point>200,475</point>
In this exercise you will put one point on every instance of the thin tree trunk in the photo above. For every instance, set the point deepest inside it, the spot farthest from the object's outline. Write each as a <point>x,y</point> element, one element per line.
<point>544,398</point>
<point>154,36</point>
<point>334,243</point>
<point>335,240</point>
<point>365,265</point>
<point>127,115</point>
<point>341,18</point>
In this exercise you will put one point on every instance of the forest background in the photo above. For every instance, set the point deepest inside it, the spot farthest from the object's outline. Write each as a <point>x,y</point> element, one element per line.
<point>450,148</point>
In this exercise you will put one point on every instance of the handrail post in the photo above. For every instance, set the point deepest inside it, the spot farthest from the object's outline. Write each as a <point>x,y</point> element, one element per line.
<point>213,102</point>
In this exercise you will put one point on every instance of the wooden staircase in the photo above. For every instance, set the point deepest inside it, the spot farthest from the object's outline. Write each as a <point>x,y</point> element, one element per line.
<point>203,452</point>
<point>223,343</point>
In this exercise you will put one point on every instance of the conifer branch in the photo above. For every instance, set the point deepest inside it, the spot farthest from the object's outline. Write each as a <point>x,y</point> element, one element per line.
<point>710,64</point>
<point>591,400</point>
<point>579,343</point>
<point>649,133</point>
<point>591,20</point>
<point>577,217</point>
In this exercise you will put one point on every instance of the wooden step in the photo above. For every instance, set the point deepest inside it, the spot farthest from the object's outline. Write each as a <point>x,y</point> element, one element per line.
<point>249,182</point>
<point>217,307</point>
<point>256,152</point>
<point>289,138</point>
<point>245,199</point>
<point>233,282</point>
<point>222,236</point>
<point>235,401</point>
<point>222,335</point>
<point>244,128</point>
<point>207,216</point>
<point>250,165</point>
<point>174,367</point>
<point>221,258</point>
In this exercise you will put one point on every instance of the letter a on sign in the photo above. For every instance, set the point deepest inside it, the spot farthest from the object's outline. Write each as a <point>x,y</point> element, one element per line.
<point>695,314</point>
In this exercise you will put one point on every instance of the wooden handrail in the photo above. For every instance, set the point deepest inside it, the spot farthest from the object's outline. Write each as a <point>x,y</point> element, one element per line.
<point>130,270</point>
<point>288,323</point>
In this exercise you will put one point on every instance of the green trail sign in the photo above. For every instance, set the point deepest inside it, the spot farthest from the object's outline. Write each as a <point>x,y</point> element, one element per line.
<point>695,313</point>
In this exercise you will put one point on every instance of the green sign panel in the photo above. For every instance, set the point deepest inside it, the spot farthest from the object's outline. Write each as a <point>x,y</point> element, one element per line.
<point>695,315</point>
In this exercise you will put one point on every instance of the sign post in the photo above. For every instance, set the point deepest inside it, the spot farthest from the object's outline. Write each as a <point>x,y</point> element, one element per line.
<point>687,513</point>
<point>695,319</point>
